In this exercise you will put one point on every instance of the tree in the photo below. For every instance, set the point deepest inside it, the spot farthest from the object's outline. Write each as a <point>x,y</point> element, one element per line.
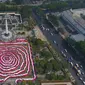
<point>51,76</point>
<point>56,66</point>
<point>30,83</point>
<point>17,1</point>
<point>40,66</point>
<point>49,67</point>
<point>56,6</point>
<point>7,2</point>
<point>45,54</point>
<point>80,46</point>
<point>38,42</point>
<point>26,11</point>
<point>53,19</point>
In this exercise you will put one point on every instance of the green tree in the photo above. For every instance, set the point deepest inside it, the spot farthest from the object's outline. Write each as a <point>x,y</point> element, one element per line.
<point>51,76</point>
<point>45,54</point>
<point>26,11</point>
<point>80,46</point>
<point>53,19</point>
<point>17,1</point>
<point>30,83</point>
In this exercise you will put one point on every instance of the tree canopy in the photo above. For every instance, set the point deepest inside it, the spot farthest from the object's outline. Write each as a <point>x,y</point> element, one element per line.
<point>80,46</point>
<point>17,1</point>
<point>53,19</point>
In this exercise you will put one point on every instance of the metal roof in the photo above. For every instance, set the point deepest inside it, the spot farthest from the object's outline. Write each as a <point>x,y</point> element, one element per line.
<point>67,15</point>
<point>78,37</point>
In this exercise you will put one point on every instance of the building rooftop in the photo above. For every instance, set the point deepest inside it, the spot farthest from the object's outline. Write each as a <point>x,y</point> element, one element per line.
<point>4,0</point>
<point>78,37</point>
<point>76,21</point>
<point>56,83</point>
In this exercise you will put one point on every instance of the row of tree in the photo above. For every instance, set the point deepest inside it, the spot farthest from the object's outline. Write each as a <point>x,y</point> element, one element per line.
<point>17,1</point>
<point>80,46</point>
<point>25,11</point>
<point>53,19</point>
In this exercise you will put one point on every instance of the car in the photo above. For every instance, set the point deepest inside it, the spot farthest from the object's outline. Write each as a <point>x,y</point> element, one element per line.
<point>54,42</point>
<point>71,63</point>
<point>77,65</point>
<point>80,78</point>
<point>81,66</point>
<point>71,58</point>
<point>65,50</point>
<point>84,82</point>
<point>52,34</point>
<point>64,55</point>
<point>48,29</point>
<point>43,28</point>
<point>62,52</point>
<point>78,74</point>
<point>82,73</point>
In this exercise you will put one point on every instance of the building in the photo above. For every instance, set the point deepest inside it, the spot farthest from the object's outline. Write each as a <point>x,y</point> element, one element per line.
<point>73,19</point>
<point>4,0</point>
<point>77,37</point>
<point>56,83</point>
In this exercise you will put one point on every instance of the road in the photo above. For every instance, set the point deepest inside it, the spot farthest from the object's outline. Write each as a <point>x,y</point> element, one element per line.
<point>59,44</point>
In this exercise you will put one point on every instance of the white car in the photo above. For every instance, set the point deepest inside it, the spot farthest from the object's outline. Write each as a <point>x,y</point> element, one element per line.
<point>54,42</point>
<point>80,78</point>
<point>43,28</point>
<point>65,50</point>
<point>52,34</point>
<point>77,65</point>
<point>71,63</point>
<point>78,74</point>
<point>81,66</point>
<point>62,52</point>
<point>84,82</point>
<point>64,55</point>
<point>48,29</point>
<point>83,73</point>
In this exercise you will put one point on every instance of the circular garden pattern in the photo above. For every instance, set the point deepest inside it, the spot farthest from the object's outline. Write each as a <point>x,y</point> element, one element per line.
<point>15,60</point>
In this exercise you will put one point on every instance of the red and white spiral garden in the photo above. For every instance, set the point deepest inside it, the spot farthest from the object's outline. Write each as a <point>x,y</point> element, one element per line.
<point>15,60</point>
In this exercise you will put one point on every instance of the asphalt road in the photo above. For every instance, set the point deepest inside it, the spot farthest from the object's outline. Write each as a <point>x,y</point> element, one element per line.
<point>59,44</point>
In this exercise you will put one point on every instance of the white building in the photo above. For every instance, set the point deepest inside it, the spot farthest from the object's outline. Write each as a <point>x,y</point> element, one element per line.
<point>77,37</point>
